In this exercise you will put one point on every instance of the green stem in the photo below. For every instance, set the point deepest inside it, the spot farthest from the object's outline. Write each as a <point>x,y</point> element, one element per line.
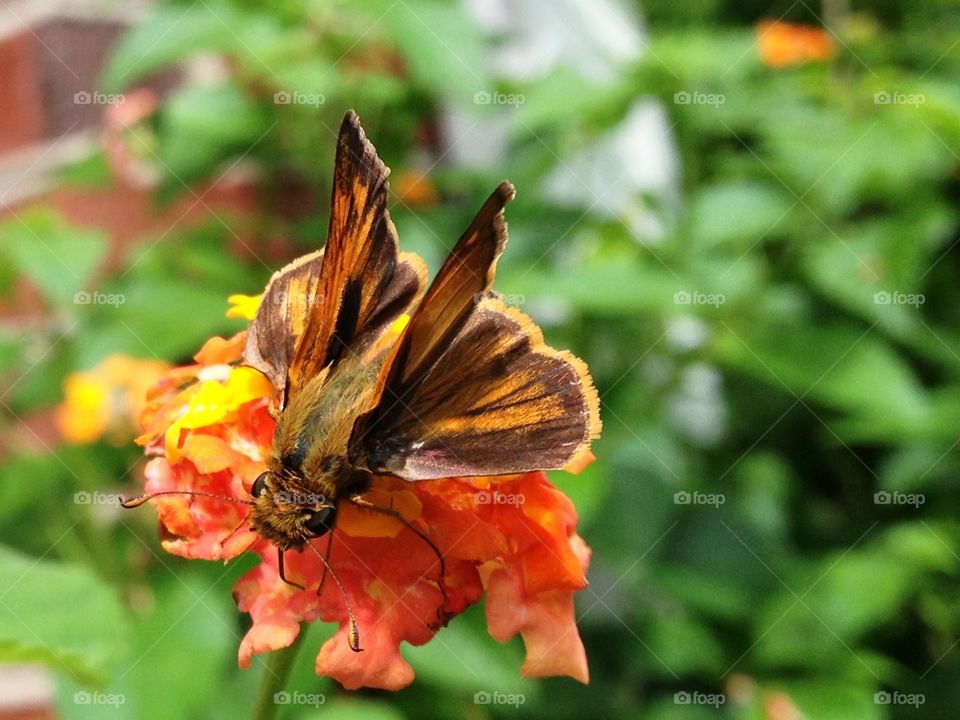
<point>274,679</point>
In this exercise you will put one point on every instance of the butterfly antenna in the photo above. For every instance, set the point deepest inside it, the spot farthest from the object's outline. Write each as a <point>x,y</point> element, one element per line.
<point>354,633</point>
<point>139,500</point>
<point>326,564</point>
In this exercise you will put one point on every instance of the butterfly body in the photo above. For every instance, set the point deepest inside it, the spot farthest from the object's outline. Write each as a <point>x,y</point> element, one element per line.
<point>309,470</point>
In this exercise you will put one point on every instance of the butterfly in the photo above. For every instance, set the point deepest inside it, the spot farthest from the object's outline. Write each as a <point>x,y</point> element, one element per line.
<point>376,374</point>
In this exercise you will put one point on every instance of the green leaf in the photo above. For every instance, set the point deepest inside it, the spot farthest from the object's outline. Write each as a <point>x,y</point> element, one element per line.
<point>202,127</point>
<point>740,214</point>
<point>59,259</point>
<point>59,615</point>
<point>837,365</point>
<point>464,656</point>
<point>439,43</point>
<point>192,610</point>
<point>170,34</point>
<point>351,708</point>
<point>682,645</point>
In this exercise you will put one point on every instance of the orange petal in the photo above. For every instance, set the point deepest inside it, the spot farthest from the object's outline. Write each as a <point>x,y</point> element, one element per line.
<point>545,621</point>
<point>218,350</point>
<point>782,44</point>
<point>360,522</point>
<point>579,461</point>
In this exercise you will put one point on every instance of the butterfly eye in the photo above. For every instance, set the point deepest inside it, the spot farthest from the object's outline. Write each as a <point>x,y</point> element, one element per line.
<point>320,521</point>
<point>259,485</point>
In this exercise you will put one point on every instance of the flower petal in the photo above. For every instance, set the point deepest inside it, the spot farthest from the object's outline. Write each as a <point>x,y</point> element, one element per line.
<point>243,306</point>
<point>545,621</point>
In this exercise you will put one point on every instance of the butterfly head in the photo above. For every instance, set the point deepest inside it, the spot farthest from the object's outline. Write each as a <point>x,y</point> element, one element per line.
<point>287,512</point>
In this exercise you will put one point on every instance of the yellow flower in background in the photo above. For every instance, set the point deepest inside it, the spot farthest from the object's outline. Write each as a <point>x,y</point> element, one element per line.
<point>243,306</point>
<point>782,44</point>
<point>106,400</point>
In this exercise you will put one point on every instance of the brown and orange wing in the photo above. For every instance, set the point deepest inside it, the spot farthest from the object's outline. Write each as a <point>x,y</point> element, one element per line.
<point>339,300</point>
<point>291,297</point>
<point>471,388</point>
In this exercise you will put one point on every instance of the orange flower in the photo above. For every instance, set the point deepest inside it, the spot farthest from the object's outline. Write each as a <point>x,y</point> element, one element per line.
<point>783,44</point>
<point>414,189</point>
<point>208,429</point>
<point>106,400</point>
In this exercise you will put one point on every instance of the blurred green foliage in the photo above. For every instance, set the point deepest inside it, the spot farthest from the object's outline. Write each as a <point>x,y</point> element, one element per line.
<point>821,221</point>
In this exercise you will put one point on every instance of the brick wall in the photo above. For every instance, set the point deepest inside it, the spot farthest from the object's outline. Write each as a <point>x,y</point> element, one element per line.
<point>51,57</point>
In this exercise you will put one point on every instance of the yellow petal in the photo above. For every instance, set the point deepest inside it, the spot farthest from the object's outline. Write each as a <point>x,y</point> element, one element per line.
<point>214,402</point>
<point>243,306</point>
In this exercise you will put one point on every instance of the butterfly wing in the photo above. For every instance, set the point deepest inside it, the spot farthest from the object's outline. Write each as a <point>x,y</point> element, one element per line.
<point>471,388</point>
<point>342,298</point>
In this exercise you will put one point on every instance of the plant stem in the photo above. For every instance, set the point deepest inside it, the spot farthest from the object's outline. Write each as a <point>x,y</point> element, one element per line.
<point>274,679</point>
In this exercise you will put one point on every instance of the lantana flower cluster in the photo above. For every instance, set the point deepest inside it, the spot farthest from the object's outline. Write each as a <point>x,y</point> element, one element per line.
<point>207,427</point>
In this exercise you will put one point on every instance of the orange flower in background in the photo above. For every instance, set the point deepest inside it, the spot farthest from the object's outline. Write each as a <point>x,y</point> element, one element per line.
<point>783,44</point>
<point>128,141</point>
<point>106,400</point>
<point>208,429</point>
<point>415,189</point>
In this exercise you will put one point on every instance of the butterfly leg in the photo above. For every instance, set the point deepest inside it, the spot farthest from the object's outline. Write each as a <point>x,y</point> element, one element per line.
<point>358,501</point>
<point>282,576</point>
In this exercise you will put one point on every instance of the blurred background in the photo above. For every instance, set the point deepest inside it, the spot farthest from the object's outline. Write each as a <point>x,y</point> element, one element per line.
<point>742,215</point>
